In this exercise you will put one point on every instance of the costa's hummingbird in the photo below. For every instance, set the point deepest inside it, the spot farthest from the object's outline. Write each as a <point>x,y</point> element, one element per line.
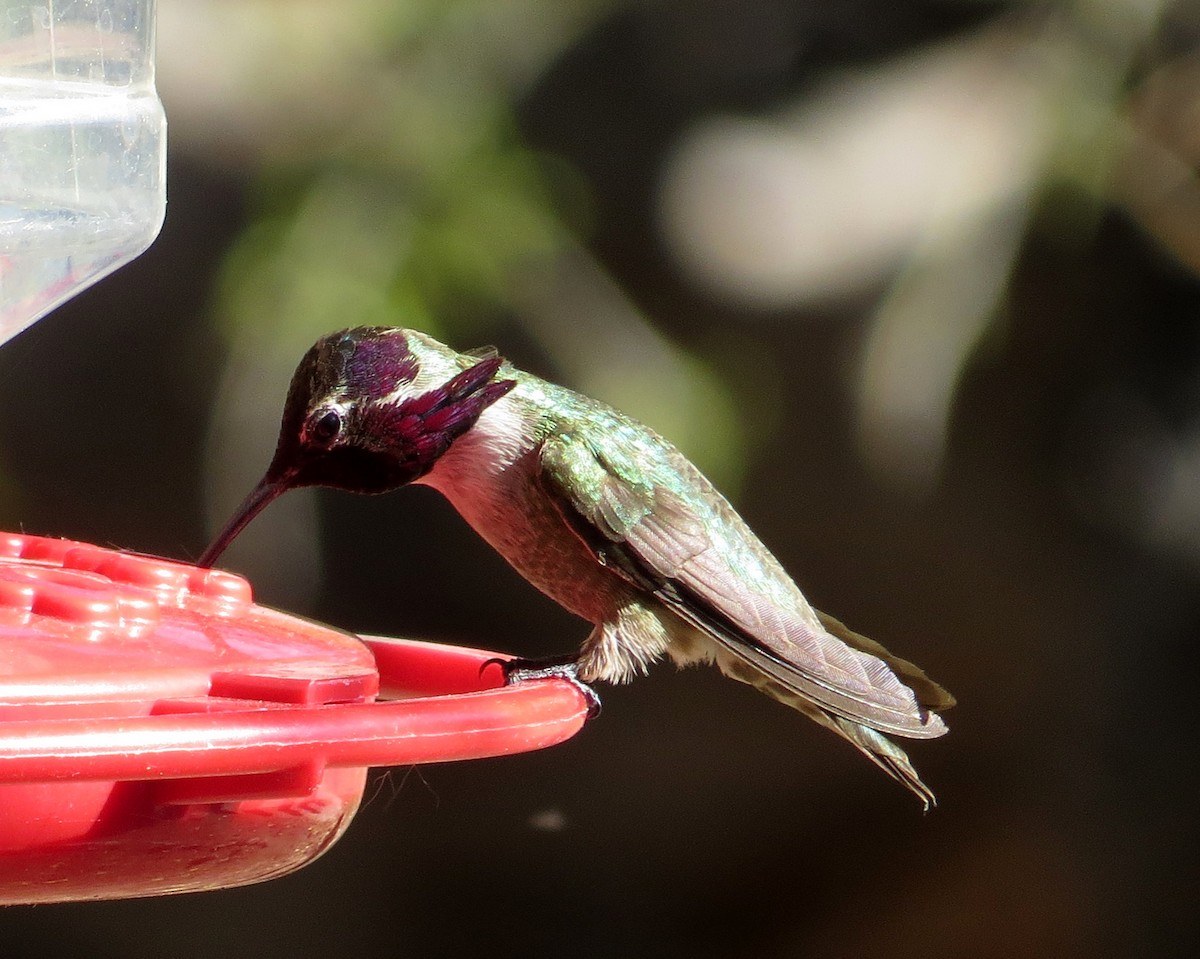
<point>599,513</point>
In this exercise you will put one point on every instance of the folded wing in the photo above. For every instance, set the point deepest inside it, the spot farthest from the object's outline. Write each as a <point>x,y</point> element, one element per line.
<point>652,518</point>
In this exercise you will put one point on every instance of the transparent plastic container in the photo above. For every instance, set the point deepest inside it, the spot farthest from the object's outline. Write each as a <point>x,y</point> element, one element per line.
<point>82,148</point>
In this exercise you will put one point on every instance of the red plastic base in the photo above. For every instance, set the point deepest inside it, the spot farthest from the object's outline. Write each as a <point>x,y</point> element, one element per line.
<point>161,733</point>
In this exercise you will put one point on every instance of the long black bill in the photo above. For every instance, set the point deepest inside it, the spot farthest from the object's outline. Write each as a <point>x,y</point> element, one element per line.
<point>266,490</point>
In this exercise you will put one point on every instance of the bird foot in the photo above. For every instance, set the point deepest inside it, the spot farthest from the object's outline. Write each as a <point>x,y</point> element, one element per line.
<point>557,667</point>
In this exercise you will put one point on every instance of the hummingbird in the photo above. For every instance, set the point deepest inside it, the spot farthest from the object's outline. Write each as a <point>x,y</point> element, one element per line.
<point>598,512</point>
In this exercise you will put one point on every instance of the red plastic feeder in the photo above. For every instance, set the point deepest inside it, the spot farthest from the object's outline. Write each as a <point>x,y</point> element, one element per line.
<point>161,733</point>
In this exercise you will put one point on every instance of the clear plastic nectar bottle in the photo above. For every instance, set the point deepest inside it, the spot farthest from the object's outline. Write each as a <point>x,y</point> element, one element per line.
<point>82,148</point>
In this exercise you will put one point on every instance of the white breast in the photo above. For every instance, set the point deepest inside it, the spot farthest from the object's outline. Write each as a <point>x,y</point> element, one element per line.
<point>490,477</point>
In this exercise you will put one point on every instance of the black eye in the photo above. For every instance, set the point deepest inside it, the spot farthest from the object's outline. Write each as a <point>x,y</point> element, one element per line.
<point>324,427</point>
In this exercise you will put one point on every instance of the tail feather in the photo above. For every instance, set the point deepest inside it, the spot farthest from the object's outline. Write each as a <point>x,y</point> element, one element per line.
<point>873,744</point>
<point>886,755</point>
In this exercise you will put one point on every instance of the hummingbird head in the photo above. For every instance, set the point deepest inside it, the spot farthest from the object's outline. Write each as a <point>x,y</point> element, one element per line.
<point>369,410</point>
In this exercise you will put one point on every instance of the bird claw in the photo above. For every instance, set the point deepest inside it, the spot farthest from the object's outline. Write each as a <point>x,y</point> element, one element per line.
<point>523,670</point>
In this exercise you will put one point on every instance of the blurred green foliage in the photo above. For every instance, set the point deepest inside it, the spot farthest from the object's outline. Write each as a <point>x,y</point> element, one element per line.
<point>408,198</point>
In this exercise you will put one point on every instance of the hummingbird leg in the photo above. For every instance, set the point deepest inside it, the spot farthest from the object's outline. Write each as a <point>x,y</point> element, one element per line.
<point>553,667</point>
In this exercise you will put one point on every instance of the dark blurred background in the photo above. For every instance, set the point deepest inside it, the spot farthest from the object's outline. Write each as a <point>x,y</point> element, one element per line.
<point>915,283</point>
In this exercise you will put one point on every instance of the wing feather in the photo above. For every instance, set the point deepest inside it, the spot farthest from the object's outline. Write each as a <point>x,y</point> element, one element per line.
<point>713,573</point>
